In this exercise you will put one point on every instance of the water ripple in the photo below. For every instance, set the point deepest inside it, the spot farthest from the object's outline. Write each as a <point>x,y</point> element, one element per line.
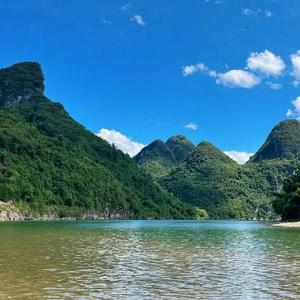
<point>149,260</point>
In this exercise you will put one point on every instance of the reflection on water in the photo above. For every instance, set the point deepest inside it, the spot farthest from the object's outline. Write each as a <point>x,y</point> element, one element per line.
<point>148,260</point>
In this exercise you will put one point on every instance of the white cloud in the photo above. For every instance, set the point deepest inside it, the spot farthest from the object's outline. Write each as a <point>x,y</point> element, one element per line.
<point>259,66</point>
<point>189,70</point>
<point>250,12</point>
<point>232,78</point>
<point>266,63</point>
<point>240,157</point>
<point>138,19</point>
<point>273,85</point>
<point>238,78</point>
<point>296,104</point>
<point>191,125</point>
<point>126,7</point>
<point>192,69</point>
<point>106,23</point>
<point>268,13</point>
<point>121,141</point>
<point>255,12</point>
<point>289,113</point>
<point>295,112</point>
<point>295,58</point>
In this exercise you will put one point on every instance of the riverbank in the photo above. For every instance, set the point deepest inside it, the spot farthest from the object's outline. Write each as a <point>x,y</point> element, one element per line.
<point>12,211</point>
<point>288,224</point>
<point>9,211</point>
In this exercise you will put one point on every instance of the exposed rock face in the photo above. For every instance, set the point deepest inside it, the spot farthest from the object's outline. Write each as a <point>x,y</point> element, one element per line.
<point>20,82</point>
<point>9,212</point>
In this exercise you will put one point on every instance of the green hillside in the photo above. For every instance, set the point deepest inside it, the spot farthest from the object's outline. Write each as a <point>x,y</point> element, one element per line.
<point>282,143</point>
<point>48,159</point>
<point>287,203</point>
<point>180,146</point>
<point>209,179</point>
<point>158,157</point>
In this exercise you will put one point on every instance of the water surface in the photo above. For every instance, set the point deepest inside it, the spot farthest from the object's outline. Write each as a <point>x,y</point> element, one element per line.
<point>148,260</point>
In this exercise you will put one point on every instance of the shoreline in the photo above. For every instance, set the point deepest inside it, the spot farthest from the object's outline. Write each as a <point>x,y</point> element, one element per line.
<point>288,224</point>
<point>9,211</point>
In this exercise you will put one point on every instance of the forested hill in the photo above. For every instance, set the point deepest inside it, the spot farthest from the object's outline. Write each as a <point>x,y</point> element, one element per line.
<point>282,143</point>
<point>209,179</point>
<point>49,160</point>
<point>158,157</point>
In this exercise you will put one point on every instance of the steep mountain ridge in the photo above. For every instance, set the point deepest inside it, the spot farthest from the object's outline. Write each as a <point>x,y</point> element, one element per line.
<point>209,179</point>
<point>180,146</point>
<point>49,160</point>
<point>20,82</point>
<point>158,157</point>
<point>282,143</point>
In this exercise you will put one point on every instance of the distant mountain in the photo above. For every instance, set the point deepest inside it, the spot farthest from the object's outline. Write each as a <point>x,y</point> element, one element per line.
<point>158,157</point>
<point>282,143</point>
<point>210,180</point>
<point>199,178</point>
<point>49,160</point>
<point>180,146</point>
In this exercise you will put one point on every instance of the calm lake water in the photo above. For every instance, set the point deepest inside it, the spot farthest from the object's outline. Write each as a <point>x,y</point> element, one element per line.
<point>148,260</point>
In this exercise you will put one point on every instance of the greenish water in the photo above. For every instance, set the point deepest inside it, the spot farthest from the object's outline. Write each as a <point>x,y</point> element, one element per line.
<point>148,260</point>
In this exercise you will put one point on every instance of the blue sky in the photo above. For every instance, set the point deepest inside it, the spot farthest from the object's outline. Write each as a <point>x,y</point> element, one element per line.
<point>228,68</point>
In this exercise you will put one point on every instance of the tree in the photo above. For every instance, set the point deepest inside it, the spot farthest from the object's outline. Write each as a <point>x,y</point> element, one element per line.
<point>287,203</point>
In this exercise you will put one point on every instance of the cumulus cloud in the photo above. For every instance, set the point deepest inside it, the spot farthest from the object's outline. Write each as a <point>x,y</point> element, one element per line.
<point>121,141</point>
<point>295,58</point>
<point>240,157</point>
<point>191,125</point>
<point>295,111</point>
<point>266,63</point>
<point>232,78</point>
<point>259,66</point>
<point>238,78</point>
<point>273,85</point>
<point>139,20</point>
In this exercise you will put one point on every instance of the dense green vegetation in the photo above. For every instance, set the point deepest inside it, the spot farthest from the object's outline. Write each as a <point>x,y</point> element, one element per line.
<point>180,146</point>
<point>287,203</point>
<point>283,142</point>
<point>48,159</point>
<point>210,180</point>
<point>158,157</point>
<point>19,83</point>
